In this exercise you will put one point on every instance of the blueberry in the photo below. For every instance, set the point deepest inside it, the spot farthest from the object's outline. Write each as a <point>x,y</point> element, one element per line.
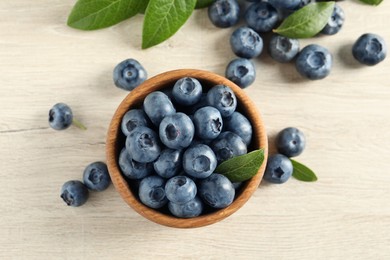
<point>261,17</point>
<point>190,209</point>
<point>240,125</point>
<point>208,122</point>
<point>151,192</point>
<point>283,49</point>
<point>199,161</point>
<point>201,103</point>
<point>279,169</point>
<point>96,176</point>
<point>132,119</point>
<point>217,191</point>
<point>290,142</point>
<point>132,169</point>
<point>246,43</point>
<point>369,49</point>
<point>180,189</point>
<point>129,74</point>
<point>228,145</point>
<point>60,116</point>
<point>169,163</point>
<point>224,13</point>
<point>187,91</point>
<point>74,193</point>
<point>335,21</point>
<point>143,144</point>
<point>241,71</point>
<point>314,62</point>
<point>222,98</point>
<point>157,105</point>
<point>286,4</point>
<point>176,131</point>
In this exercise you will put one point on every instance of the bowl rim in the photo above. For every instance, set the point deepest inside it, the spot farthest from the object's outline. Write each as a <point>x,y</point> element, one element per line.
<point>156,83</point>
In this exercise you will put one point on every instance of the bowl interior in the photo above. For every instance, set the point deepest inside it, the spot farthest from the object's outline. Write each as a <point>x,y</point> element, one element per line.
<point>115,142</point>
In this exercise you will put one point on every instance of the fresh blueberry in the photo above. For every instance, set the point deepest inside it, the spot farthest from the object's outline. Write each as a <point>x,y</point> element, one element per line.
<point>222,98</point>
<point>157,105</point>
<point>129,74</point>
<point>290,142</point>
<point>314,62</point>
<point>224,13</point>
<point>169,163</point>
<point>246,43</point>
<point>96,176</point>
<point>132,119</point>
<point>151,192</point>
<point>180,189</point>
<point>60,116</point>
<point>208,123</point>
<point>217,191</point>
<point>190,209</point>
<point>132,169</point>
<point>335,21</point>
<point>143,144</point>
<point>190,110</point>
<point>261,17</point>
<point>74,193</point>
<point>240,125</point>
<point>187,91</point>
<point>369,49</point>
<point>283,49</point>
<point>279,169</point>
<point>241,71</point>
<point>199,161</point>
<point>286,4</point>
<point>176,131</point>
<point>228,145</point>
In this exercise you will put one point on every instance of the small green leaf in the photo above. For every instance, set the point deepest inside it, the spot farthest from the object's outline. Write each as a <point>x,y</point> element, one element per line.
<point>98,14</point>
<point>307,21</point>
<point>372,2</point>
<point>203,3</point>
<point>302,172</point>
<point>243,167</point>
<point>163,18</point>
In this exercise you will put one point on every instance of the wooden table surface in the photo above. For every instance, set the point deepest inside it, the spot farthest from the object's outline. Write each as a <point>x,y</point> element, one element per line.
<point>345,117</point>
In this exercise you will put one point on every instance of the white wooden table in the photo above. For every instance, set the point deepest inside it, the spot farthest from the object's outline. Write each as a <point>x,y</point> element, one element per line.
<point>346,119</point>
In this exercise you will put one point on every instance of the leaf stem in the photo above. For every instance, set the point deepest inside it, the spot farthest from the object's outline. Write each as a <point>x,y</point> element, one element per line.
<point>78,124</point>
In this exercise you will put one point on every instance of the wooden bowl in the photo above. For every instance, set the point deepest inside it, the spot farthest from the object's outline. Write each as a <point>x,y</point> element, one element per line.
<point>115,142</point>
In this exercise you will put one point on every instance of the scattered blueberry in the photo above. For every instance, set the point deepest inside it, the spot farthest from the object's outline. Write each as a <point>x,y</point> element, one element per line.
<point>96,176</point>
<point>169,163</point>
<point>228,145</point>
<point>279,169</point>
<point>290,142</point>
<point>241,71</point>
<point>143,144</point>
<point>132,119</point>
<point>283,49</point>
<point>208,123</point>
<point>369,49</point>
<point>224,13</point>
<point>190,209</point>
<point>217,191</point>
<point>199,161</point>
<point>335,21</point>
<point>246,43</point>
<point>180,189</point>
<point>187,91</point>
<point>176,131</point>
<point>129,74</point>
<point>314,62</point>
<point>74,193</point>
<point>151,192</point>
<point>157,105</point>
<point>60,116</point>
<point>240,125</point>
<point>132,169</point>
<point>222,98</point>
<point>261,17</point>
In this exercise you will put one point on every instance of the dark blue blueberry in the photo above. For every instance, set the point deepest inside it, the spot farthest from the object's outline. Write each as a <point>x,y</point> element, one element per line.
<point>261,17</point>
<point>240,125</point>
<point>180,189</point>
<point>314,62</point>
<point>286,4</point>
<point>129,74</point>
<point>222,98</point>
<point>157,105</point>
<point>224,13</point>
<point>199,161</point>
<point>246,43</point>
<point>176,131</point>
<point>279,169</point>
<point>190,209</point>
<point>241,71</point>
<point>335,21</point>
<point>151,192</point>
<point>290,142</point>
<point>228,145</point>
<point>187,91</point>
<point>96,176</point>
<point>283,49</point>
<point>143,144</point>
<point>132,169</point>
<point>132,119</point>
<point>369,49</point>
<point>74,193</point>
<point>60,116</point>
<point>169,163</point>
<point>208,123</point>
<point>217,191</point>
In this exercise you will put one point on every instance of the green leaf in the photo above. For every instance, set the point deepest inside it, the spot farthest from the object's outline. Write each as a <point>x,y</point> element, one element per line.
<point>163,18</point>
<point>307,21</point>
<point>302,172</point>
<point>98,14</point>
<point>203,3</point>
<point>143,9</point>
<point>243,167</point>
<point>371,2</point>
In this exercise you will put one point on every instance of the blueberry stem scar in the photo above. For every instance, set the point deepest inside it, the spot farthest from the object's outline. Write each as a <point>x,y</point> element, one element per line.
<point>79,124</point>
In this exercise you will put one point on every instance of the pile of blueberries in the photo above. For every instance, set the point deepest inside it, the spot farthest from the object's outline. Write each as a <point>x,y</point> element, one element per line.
<point>312,62</point>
